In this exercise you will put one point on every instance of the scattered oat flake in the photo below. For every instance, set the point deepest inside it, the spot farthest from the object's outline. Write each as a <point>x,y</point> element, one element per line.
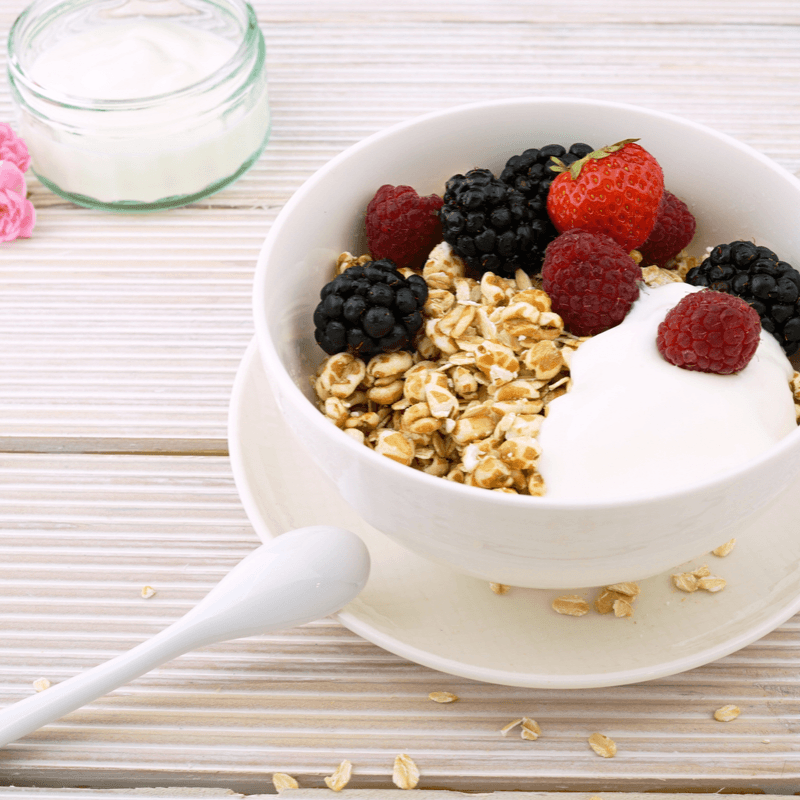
<point>443,697</point>
<point>511,725</point>
<point>40,684</point>
<point>282,781</point>
<point>701,572</point>
<point>405,774</point>
<point>341,777</point>
<point>686,582</point>
<point>724,549</point>
<point>629,589</point>
<point>499,588</point>
<point>148,592</point>
<point>530,729</point>
<point>604,602</point>
<point>602,745</point>
<point>712,584</point>
<point>571,604</point>
<point>622,608</point>
<point>727,713</point>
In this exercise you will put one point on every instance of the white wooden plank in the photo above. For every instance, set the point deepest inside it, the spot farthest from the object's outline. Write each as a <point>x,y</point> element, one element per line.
<point>80,535</point>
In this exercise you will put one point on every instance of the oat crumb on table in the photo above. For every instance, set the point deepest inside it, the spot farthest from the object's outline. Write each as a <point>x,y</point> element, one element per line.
<point>602,745</point>
<point>282,781</point>
<point>443,697</point>
<point>148,592</point>
<point>727,713</point>
<point>40,684</point>
<point>405,774</point>
<point>530,729</point>
<point>341,777</point>
<point>504,731</point>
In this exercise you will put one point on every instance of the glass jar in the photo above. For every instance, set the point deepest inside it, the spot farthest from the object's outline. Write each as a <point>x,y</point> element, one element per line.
<point>139,142</point>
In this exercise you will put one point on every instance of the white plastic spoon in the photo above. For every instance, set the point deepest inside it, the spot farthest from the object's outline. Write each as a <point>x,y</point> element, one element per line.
<point>299,577</point>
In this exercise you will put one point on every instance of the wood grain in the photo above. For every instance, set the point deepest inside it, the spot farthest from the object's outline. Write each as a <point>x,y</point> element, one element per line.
<point>82,534</point>
<point>119,341</point>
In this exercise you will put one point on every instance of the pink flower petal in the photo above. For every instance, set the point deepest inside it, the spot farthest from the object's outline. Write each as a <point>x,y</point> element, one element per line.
<point>28,220</point>
<point>12,148</point>
<point>16,218</point>
<point>11,178</point>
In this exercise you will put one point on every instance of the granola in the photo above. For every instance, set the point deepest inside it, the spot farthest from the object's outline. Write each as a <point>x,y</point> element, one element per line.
<point>468,404</point>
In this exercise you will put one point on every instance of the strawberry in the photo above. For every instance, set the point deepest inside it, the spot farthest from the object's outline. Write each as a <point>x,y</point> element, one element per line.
<point>615,190</point>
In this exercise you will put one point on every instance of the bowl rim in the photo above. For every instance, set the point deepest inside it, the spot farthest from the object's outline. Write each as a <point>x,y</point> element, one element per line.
<point>282,381</point>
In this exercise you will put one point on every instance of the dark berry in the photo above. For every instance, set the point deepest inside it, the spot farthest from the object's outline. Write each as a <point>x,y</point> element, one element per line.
<point>531,174</point>
<point>488,224</point>
<point>369,309</point>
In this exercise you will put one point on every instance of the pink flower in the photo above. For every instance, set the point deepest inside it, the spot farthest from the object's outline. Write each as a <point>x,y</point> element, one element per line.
<point>17,214</point>
<point>12,148</point>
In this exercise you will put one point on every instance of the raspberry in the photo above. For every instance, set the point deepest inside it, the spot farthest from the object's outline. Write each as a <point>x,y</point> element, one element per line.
<point>762,280</point>
<point>402,226</point>
<point>673,230</point>
<point>591,280</point>
<point>710,332</point>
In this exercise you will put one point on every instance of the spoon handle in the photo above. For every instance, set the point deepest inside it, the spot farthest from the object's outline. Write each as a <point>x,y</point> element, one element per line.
<point>298,577</point>
<point>37,710</point>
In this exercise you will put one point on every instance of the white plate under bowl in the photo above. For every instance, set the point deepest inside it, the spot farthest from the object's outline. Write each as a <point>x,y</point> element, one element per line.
<point>436,617</point>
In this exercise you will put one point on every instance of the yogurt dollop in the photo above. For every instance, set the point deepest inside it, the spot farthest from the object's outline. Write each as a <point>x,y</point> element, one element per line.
<point>633,423</point>
<point>131,59</point>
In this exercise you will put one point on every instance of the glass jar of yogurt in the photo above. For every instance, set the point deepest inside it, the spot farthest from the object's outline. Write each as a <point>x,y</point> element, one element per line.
<point>139,105</point>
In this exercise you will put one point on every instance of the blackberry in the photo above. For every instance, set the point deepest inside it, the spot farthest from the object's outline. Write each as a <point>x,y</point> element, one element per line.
<point>369,309</point>
<point>489,225</point>
<point>758,276</point>
<point>530,172</point>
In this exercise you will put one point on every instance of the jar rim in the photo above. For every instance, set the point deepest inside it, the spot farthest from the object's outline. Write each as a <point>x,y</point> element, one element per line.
<point>18,74</point>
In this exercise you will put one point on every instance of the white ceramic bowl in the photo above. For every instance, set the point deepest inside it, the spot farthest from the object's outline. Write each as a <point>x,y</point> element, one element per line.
<point>734,192</point>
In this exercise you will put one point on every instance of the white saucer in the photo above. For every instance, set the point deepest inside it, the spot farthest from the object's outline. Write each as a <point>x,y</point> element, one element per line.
<point>453,623</point>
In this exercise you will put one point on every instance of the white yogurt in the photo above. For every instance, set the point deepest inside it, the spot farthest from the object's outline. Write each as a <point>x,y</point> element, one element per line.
<point>632,422</point>
<point>130,59</point>
<point>185,138</point>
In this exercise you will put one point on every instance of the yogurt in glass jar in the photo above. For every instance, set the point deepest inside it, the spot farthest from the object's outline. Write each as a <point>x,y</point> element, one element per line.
<point>139,104</point>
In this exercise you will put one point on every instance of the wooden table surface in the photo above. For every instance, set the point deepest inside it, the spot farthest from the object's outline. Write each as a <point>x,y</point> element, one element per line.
<point>120,336</point>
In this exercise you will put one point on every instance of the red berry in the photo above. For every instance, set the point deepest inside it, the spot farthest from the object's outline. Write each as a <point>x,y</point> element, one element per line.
<point>674,229</point>
<point>710,332</point>
<point>402,226</point>
<point>591,280</point>
<point>615,190</point>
